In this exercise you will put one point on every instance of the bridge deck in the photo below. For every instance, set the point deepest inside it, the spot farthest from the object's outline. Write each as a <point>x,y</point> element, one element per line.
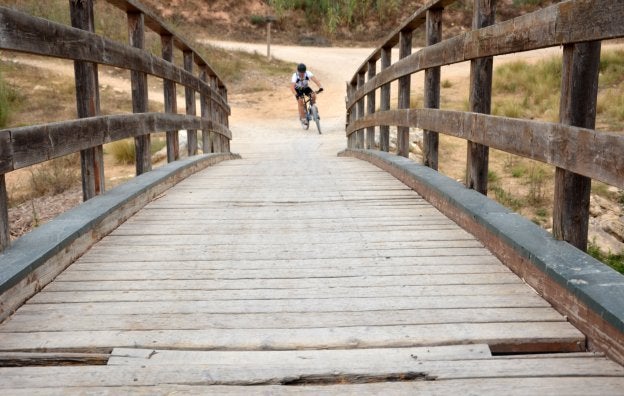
<point>229,276</point>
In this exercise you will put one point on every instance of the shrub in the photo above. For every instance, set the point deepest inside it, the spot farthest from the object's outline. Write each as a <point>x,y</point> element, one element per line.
<point>122,151</point>
<point>55,176</point>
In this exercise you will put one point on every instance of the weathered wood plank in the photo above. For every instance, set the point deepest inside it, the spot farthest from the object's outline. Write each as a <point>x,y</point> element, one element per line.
<point>432,89</point>
<point>23,33</point>
<point>405,49</point>
<point>587,152</point>
<point>384,97</point>
<point>370,107</point>
<point>171,99</point>
<point>35,144</point>
<point>549,27</point>
<point>88,103</point>
<point>191,106</point>
<point>140,102</point>
<point>360,141</point>
<point>579,98</point>
<point>501,337</point>
<point>26,359</point>
<point>5,231</point>
<point>284,320</point>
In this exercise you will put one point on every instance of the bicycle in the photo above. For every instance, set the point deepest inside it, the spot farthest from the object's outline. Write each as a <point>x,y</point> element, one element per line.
<point>311,111</point>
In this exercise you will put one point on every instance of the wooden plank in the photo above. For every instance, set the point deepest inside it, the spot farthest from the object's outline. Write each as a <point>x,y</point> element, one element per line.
<point>304,360</point>
<point>481,70</point>
<point>587,152</point>
<point>432,90</point>
<point>581,385</point>
<point>501,337</point>
<point>140,102</point>
<point>171,99</point>
<point>5,230</point>
<point>23,33</point>
<point>384,97</point>
<point>405,49</point>
<point>548,27</point>
<point>284,320</point>
<point>88,103</point>
<point>579,98</point>
<point>27,359</point>
<point>190,104</point>
<point>35,144</point>
<point>360,113</point>
<point>348,304</point>
<point>370,107</point>
<point>487,374</point>
<point>206,113</point>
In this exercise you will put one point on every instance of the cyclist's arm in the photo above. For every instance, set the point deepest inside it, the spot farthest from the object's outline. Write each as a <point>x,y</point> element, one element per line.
<point>293,89</point>
<point>317,82</point>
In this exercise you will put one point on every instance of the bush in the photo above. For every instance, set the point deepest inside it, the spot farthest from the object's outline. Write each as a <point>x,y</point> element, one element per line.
<point>615,261</point>
<point>55,176</point>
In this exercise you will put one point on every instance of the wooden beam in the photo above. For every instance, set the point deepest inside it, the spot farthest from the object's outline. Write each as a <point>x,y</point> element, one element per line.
<point>384,97</point>
<point>171,100</point>
<point>191,107</point>
<point>549,27</point>
<point>5,229</point>
<point>405,49</point>
<point>584,151</point>
<point>480,99</point>
<point>579,96</point>
<point>88,103</point>
<point>206,110</point>
<point>142,144</point>
<point>360,113</point>
<point>23,33</point>
<point>432,89</point>
<point>370,106</point>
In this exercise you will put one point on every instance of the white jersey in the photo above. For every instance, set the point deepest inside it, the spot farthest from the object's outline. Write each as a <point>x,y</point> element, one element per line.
<point>299,82</point>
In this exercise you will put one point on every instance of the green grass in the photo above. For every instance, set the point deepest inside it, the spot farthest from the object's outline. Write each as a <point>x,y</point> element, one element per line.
<point>615,261</point>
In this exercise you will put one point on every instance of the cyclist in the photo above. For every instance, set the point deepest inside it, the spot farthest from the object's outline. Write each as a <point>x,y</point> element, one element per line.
<point>300,86</point>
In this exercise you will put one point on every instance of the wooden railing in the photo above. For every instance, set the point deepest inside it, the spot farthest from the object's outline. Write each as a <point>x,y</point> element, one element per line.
<point>578,152</point>
<point>22,147</point>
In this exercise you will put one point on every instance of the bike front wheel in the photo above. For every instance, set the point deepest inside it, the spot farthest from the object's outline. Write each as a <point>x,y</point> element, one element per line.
<point>315,117</point>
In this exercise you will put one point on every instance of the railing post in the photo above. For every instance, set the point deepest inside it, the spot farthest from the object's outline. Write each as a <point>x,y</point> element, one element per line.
<point>579,93</point>
<point>5,231</point>
<point>370,102</point>
<point>432,89</point>
<point>384,97</point>
<point>351,114</point>
<point>88,102</point>
<point>405,49</point>
<point>136,34</point>
<point>205,101</point>
<point>191,107</point>
<point>480,99</point>
<point>171,100</point>
<point>360,111</point>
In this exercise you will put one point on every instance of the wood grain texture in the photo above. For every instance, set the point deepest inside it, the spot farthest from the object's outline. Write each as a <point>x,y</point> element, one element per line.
<point>171,99</point>
<point>432,89</point>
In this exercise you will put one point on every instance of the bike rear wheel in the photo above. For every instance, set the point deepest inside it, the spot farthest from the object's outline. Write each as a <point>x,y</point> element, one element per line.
<point>315,117</point>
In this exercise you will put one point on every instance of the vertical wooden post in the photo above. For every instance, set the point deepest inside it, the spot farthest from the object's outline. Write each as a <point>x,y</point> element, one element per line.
<point>269,39</point>
<point>171,100</point>
<point>579,95</point>
<point>136,34</point>
<point>432,89</point>
<point>370,101</point>
<point>214,114</point>
<point>360,111</point>
<point>384,97</point>
<point>351,114</point>
<point>5,230</point>
<point>88,102</point>
<point>205,101</point>
<point>191,107</point>
<point>405,49</point>
<point>480,99</point>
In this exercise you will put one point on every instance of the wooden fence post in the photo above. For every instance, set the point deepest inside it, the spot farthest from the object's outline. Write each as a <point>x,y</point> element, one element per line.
<point>405,82</point>
<point>360,111</point>
<point>579,93</point>
<point>480,99</point>
<point>171,100</point>
<point>88,102</point>
<point>370,103</point>
<point>191,106</point>
<point>384,97</point>
<point>351,114</point>
<point>206,104</point>
<point>5,231</point>
<point>136,34</point>
<point>432,89</point>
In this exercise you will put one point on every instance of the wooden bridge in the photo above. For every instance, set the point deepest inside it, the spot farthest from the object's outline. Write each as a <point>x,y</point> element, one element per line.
<point>288,269</point>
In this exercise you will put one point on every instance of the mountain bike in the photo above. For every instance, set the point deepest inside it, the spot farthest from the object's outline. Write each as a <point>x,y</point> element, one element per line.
<point>311,111</point>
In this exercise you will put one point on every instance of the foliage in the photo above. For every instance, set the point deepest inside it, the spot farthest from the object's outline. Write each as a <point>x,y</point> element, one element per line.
<point>55,176</point>
<point>8,97</point>
<point>615,261</point>
<point>123,151</point>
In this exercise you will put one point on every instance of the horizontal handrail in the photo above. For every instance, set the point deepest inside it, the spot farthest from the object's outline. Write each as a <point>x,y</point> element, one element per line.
<point>31,145</point>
